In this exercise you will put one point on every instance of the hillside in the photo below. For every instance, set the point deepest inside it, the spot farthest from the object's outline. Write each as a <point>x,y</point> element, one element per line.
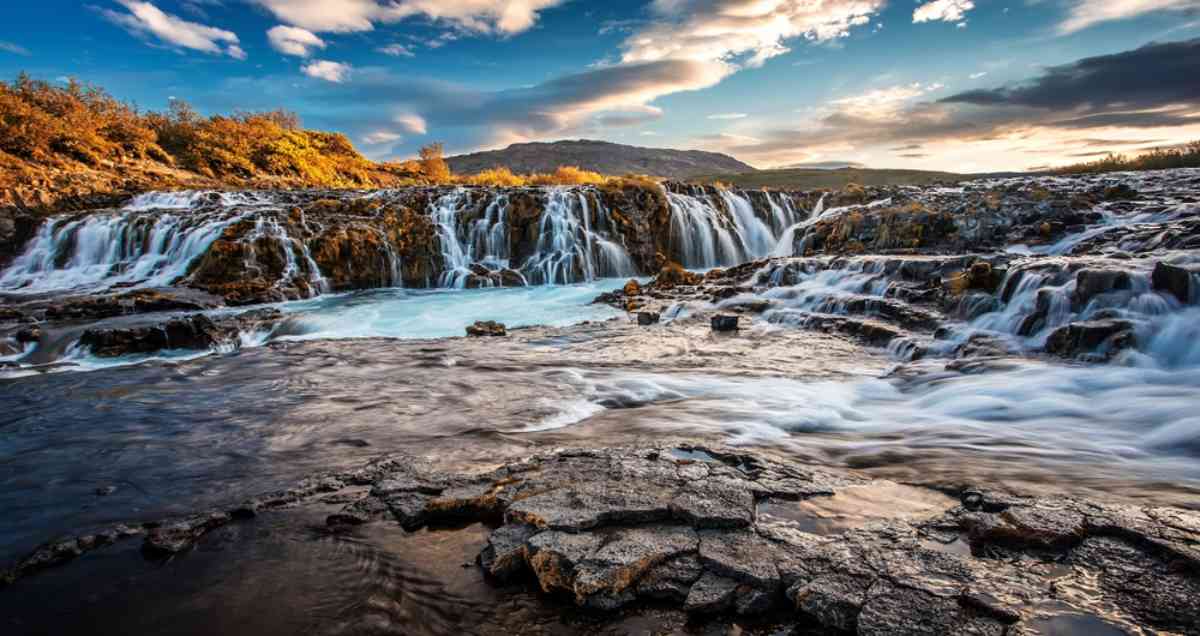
<point>807,179</point>
<point>599,156</point>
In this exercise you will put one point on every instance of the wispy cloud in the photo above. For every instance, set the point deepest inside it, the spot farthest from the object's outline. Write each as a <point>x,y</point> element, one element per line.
<point>504,17</point>
<point>728,116</point>
<point>15,49</point>
<point>397,50</point>
<point>1086,13</point>
<point>294,40</point>
<point>145,19</point>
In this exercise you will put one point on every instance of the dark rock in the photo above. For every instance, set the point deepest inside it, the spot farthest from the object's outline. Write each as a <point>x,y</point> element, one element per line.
<point>1100,337</point>
<point>646,318</point>
<point>724,323</point>
<point>711,594</point>
<point>1090,283</point>
<point>29,335</point>
<point>483,328</point>
<point>1174,280</point>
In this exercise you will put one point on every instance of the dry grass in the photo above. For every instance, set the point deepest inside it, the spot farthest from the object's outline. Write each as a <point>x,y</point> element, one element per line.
<point>1185,156</point>
<point>78,127</point>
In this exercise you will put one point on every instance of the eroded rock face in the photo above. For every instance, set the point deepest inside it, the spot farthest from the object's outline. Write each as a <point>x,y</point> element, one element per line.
<point>197,332</point>
<point>679,525</point>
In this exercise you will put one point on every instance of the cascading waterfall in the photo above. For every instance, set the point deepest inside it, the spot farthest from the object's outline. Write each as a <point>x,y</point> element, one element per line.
<point>725,228</point>
<point>570,248</point>
<point>101,250</point>
<point>270,228</point>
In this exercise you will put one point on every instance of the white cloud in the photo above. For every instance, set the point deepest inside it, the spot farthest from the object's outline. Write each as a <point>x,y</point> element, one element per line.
<point>978,75</point>
<point>294,40</point>
<point>146,19</point>
<point>503,17</point>
<point>15,49</point>
<point>722,30</point>
<point>882,103</point>
<point>397,50</point>
<point>381,137</point>
<point>728,116</point>
<point>1086,13</point>
<point>335,72</point>
<point>943,10</point>
<point>414,124</point>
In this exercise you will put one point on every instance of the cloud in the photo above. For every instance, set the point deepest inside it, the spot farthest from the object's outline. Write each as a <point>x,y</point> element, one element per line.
<point>397,50</point>
<point>414,124</point>
<point>979,75</point>
<point>294,41</point>
<point>883,103</point>
<point>728,116</point>
<point>145,19</point>
<point>335,72</point>
<point>1150,89</point>
<point>369,99</point>
<point>379,137</point>
<point>1086,13</point>
<point>746,32</point>
<point>1154,75</point>
<point>504,17</point>
<point>943,10</point>
<point>15,49</point>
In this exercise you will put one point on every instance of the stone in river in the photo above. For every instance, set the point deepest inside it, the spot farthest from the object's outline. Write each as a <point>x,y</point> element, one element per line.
<point>724,323</point>
<point>487,328</point>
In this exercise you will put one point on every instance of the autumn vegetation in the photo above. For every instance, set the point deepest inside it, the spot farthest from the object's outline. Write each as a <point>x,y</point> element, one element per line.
<point>1183,156</point>
<point>77,128</point>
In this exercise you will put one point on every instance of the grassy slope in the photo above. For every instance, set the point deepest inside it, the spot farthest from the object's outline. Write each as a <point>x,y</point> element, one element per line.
<point>811,179</point>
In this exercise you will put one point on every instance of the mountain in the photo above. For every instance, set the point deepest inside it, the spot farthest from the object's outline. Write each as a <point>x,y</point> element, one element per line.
<point>599,156</point>
<point>824,165</point>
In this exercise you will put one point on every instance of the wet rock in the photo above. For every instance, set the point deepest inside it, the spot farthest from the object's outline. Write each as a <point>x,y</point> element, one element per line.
<point>1174,280</point>
<point>724,323</point>
<point>1102,338</point>
<point>646,318</point>
<point>834,600</point>
<point>711,594</point>
<point>176,537</point>
<point>671,580</point>
<point>632,288</point>
<point>486,328</point>
<point>195,332</point>
<point>28,335</point>
<point>1090,283</point>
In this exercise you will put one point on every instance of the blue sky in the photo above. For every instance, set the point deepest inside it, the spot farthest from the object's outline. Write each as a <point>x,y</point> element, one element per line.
<point>966,85</point>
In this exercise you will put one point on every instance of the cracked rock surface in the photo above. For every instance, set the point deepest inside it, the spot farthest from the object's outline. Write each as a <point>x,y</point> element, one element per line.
<point>619,528</point>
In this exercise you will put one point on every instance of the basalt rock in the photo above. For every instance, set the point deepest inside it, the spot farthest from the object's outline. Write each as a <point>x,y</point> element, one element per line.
<point>483,328</point>
<point>724,322</point>
<point>197,332</point>
<point>1174,280</point>
<point>606,528</point>
<point>1102,338</point>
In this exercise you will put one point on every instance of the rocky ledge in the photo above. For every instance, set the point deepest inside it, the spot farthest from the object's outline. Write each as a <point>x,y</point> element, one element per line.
<point>713,530</point>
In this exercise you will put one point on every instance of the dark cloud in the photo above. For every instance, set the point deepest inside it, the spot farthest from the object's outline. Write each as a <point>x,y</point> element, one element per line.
<point>1153,86</point>
<point>1146,77</point>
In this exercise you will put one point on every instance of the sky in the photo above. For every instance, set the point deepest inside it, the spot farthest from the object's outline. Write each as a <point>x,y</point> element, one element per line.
<point>959,85</point>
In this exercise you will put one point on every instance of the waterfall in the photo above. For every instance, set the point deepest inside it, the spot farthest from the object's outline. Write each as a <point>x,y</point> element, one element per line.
<point>724,229</point>
<point>270,228</point>
<point>568,249</point>
<point>99,251</point>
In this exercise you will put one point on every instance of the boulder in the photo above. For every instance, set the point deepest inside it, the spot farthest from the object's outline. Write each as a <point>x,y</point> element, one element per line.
<point>724,323</point>
<point>1174,280</point>
<point>483,328</point>
<point>646,318</point>
<point>1099,337</point>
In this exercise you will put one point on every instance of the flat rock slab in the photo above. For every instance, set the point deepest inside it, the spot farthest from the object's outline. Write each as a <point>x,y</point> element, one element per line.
<point>611,527</point>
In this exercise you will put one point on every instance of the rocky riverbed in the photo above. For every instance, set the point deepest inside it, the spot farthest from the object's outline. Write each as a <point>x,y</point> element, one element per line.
<point>676,535</point>
<point>948,409</point>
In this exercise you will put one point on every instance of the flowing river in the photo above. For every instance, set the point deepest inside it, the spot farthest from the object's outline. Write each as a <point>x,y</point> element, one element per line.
<point>346,376</point>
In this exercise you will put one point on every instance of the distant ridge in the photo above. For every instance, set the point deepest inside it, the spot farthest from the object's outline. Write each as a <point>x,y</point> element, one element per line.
<point>599,156</point>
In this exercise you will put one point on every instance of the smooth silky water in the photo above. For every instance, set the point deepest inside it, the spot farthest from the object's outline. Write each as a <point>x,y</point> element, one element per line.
<point>349,377</point>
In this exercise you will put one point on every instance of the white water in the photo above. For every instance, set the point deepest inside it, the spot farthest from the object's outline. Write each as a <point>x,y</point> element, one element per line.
<point>575,243</point>
<point>725,229</point>
<point>102,250</point>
